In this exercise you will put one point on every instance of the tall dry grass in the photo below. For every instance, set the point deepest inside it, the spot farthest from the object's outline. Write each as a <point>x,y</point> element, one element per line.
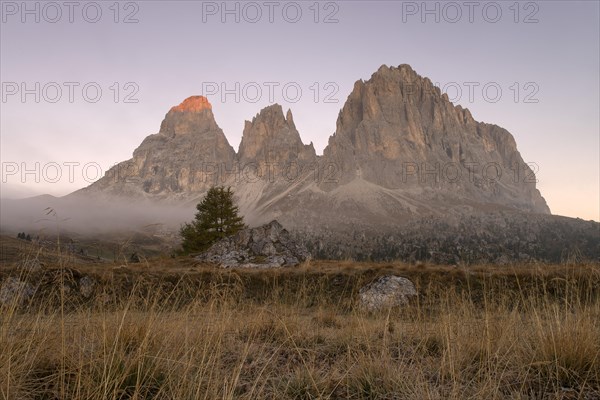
<point>289,335</point>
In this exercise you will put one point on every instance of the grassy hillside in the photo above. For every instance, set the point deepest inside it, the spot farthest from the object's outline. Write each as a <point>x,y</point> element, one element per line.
<point>169,328</point>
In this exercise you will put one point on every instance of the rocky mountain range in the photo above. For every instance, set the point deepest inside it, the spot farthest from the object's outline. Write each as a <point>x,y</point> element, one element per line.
<point>402,157</point>
<point>401,149</point>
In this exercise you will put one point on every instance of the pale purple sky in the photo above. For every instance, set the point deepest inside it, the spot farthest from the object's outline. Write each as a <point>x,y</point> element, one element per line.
<point>544,56</point>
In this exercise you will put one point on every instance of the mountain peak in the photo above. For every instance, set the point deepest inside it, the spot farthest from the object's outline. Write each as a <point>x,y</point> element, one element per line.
<point>273,111</point>
<point>193,115</point>
<point>193,104</point>
<point>272,137</point>
<point>289,117</point>
<point>402,68</point>
<point>398,117</point>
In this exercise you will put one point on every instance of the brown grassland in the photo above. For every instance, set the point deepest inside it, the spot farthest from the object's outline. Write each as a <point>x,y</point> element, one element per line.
<point>169,328</point>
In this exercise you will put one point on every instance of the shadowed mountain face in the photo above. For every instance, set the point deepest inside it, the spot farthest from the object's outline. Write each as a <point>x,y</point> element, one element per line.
<point>401,150</point>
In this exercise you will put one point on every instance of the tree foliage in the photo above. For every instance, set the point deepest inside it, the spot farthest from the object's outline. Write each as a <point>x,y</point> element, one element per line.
<point>22,235</point>
<point>217,218</point>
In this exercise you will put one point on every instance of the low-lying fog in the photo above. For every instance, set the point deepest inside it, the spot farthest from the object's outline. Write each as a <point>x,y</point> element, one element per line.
<point>88,216</point>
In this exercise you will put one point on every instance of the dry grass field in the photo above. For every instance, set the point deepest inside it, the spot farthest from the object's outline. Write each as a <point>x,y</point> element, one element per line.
<point>170,328</point>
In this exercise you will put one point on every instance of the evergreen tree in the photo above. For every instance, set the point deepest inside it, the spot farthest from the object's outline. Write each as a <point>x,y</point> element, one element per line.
<point>217,218</point>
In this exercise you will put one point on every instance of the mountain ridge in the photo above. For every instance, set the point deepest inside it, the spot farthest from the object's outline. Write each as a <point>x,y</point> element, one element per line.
<point>401,148</point>
<point>406,175</point>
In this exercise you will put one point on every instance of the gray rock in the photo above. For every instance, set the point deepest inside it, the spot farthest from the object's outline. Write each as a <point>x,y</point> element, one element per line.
<point>87,286</point>
<point>179,162</point>
<point>271,140</point>
<point>386,292</point>
<point>268,246</point>
<point>15,291</point>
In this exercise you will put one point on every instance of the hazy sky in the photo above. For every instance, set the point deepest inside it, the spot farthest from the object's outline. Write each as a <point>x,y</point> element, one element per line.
<point>543,57</point>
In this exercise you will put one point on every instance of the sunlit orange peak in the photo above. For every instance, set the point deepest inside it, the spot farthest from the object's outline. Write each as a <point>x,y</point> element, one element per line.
<point>194,103</point>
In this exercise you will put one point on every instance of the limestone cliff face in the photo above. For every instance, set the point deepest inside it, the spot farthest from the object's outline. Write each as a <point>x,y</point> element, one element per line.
<point>274,162</point>
<point>192,116</point>
<point>181,161</point>
<point>273,138</point>
<point>401,150</point>
<point>399,132</point>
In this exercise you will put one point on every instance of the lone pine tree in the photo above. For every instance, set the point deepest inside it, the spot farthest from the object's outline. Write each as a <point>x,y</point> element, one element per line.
<point>217,217</point>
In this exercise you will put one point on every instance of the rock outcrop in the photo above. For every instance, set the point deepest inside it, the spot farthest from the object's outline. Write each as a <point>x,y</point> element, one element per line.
<point>386,292</point>
<point>15,292</point>
<point>274,164</point>
<point>180,162</point>
<point>87,286</point>
<point>397,131</point>
<point>272,138</point>
<point>268,246</point>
